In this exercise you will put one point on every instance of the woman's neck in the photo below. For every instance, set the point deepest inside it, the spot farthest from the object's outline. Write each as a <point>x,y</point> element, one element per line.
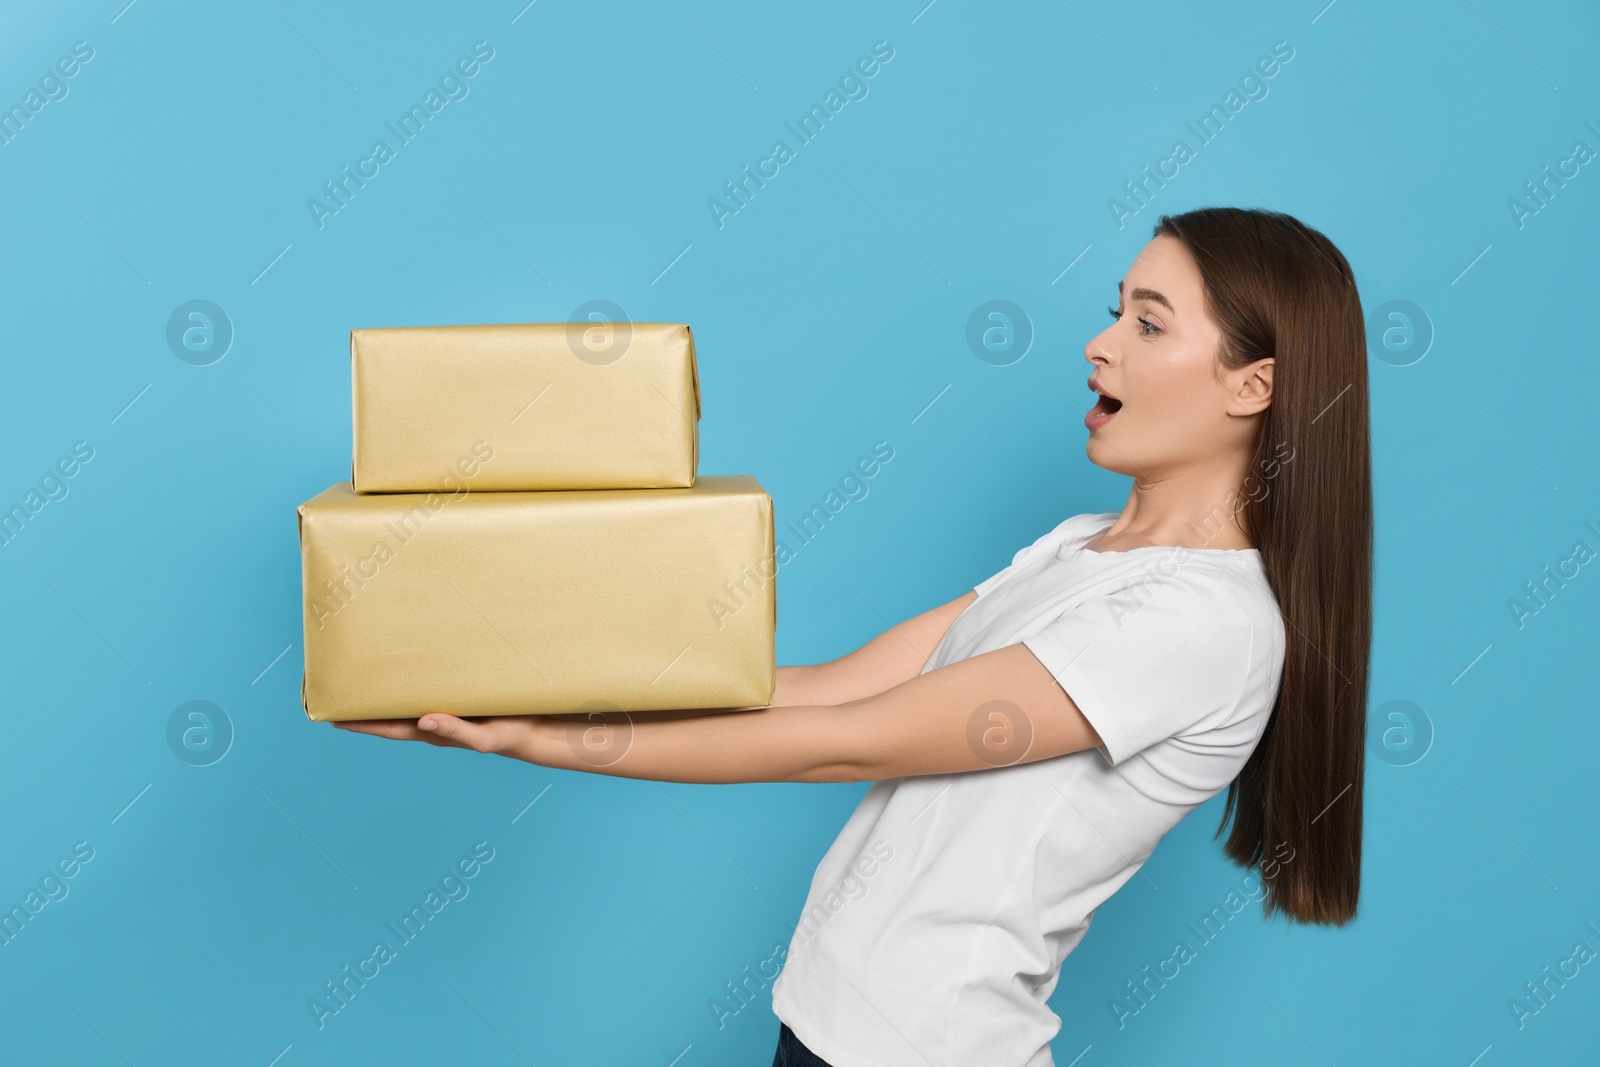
<point>1194,509</point>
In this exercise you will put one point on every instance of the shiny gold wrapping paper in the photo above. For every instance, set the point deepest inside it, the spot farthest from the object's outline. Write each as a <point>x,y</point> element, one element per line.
<point>553,405</point>
<point>511,603</point>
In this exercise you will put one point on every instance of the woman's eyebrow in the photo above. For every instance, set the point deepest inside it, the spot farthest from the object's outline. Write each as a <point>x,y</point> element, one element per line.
<point>1149,294</point>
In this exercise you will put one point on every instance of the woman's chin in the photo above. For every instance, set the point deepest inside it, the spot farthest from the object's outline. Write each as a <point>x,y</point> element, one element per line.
<point>1102,452</point>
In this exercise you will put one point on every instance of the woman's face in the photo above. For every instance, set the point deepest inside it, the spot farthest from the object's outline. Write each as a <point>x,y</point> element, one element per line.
<point>1179,409</point>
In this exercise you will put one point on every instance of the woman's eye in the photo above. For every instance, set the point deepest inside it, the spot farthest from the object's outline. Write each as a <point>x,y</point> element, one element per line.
<point>1143,322</point>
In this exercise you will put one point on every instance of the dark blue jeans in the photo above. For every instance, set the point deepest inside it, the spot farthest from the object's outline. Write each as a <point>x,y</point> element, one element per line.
<point>791,1053</point>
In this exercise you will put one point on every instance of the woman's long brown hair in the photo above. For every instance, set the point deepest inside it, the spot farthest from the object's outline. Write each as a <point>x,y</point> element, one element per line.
<point>1279,289</point>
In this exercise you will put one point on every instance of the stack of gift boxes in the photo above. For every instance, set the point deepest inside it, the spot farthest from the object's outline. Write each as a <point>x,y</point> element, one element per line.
<point>523,532</point>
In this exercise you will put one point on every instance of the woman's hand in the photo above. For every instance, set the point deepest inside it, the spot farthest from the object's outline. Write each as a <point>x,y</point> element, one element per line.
<point>523,737</point>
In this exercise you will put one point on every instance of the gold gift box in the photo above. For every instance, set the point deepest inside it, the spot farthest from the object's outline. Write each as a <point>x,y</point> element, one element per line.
<point>514,603</point>
<point>554,405</point>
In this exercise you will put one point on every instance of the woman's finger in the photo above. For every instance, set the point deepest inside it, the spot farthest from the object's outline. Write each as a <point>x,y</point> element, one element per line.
<point>399,730</point>
<point>503,735</point>
<point>453,730</point>
<point>380,727</point>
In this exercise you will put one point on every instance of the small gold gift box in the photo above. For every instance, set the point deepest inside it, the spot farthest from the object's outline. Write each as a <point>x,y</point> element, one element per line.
<point>557,405</point>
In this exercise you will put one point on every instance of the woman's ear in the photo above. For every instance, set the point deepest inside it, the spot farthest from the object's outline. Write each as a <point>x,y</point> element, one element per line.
<point>1252,390</point>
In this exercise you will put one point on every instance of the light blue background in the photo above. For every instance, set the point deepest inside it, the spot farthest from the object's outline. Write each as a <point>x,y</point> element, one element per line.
<point>829,314</point>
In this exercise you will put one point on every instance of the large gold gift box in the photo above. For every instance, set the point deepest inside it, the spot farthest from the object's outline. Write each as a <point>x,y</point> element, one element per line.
<point>544,405</point>
<point>511,603</point>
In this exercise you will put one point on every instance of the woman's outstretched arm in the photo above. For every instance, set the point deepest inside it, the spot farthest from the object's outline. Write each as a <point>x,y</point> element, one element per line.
<point>995,709</point>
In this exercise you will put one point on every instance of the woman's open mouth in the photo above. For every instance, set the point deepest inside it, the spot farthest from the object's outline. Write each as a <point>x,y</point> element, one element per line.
<point>1102,412</point>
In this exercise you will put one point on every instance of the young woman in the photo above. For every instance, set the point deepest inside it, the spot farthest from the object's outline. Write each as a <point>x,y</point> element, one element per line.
<point>1031,741</point>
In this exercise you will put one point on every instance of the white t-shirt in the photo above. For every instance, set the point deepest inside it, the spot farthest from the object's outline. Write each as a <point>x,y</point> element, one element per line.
<point>935,925</point>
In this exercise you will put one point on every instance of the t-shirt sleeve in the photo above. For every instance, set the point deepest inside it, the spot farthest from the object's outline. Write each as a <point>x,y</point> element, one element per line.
<point>1046,543</point>
<point>1152,660</point>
